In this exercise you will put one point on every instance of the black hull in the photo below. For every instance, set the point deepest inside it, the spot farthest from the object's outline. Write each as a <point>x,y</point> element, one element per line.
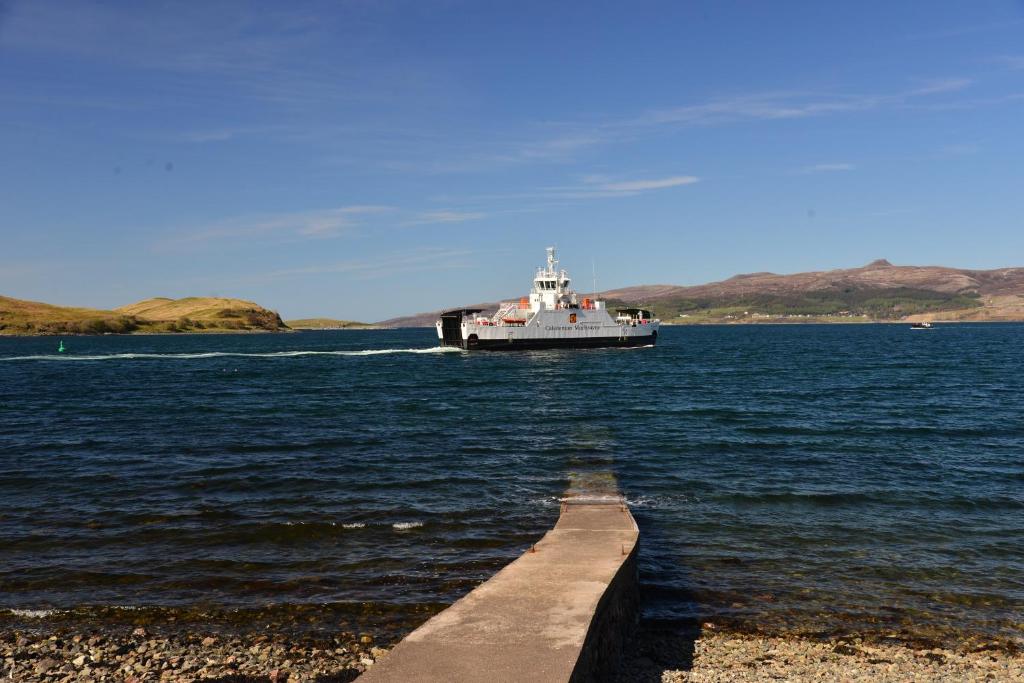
<point>539,344</point>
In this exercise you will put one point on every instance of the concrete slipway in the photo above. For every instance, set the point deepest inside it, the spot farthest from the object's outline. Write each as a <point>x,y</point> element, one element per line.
<point>558,613</point>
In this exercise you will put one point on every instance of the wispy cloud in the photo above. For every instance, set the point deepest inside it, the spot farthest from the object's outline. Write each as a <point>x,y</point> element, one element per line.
<point>203,52</point>
<point>784,105</point>
<point>934,87</point>
<point>489,154</point>
<point>226,133</point>
<point>886,213</point>
<point>967,103</point>
<point>332,222</point>
<point>1015,62</point>
<point>956,31</point>
<point>827,168</point>
<point>763,106</point>
<point>650,184</point>
<point>591,186</point>
<point>445,216</point>
<point>556,149</point>
<point>571,139</point>
<point>959,149</point>
<point>599,186</point>
<point>297,225</point>
<point>427,258</point>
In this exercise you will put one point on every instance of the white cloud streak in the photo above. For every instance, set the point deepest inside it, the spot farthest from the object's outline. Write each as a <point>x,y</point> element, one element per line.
<point>229,133</point>
<point>828,168</point>
<point>594,186</point>
<point>784,105</point>
<point>653,184</point>
<point>302,224</point>
<point>956,31</point>
<point>936,87</point>
<point>599,186</point>
<point>445,216</point>
<point>571,139</point>
<point>220,52</point>
<point>423,259</point>
<point>1014,62</point>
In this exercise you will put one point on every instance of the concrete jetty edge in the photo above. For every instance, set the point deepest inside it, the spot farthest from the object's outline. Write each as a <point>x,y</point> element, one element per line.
<point>560,612</point>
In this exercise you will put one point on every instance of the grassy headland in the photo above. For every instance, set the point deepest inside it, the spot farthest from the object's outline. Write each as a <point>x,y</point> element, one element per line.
<point>192,314</point>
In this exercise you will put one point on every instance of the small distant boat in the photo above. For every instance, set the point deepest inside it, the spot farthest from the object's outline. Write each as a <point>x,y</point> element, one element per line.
<point>920,326</point>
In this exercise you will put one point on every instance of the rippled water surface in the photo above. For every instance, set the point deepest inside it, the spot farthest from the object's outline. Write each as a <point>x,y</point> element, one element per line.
<point>790,478</point>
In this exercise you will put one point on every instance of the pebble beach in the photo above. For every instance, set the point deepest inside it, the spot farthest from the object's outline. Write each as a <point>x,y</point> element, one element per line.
<point>713,657</point>
<point>716,657</point>
<point>138,656</point>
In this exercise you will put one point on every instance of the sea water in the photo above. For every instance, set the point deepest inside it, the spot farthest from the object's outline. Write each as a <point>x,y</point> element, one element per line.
<point>804,478</point>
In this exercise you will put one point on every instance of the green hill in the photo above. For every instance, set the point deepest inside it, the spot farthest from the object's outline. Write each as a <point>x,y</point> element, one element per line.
<point>836,304</point>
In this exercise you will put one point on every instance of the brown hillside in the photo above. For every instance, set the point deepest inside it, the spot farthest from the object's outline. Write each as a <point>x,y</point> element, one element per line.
<point>204,312</point>
<point>876,275</point>
<point>194,307</point>
<point>880,289</point>
<point>18,316</point>
<point>152,315</point>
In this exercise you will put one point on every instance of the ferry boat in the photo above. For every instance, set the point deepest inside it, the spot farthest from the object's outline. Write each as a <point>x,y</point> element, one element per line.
<point>920,326</point>
<point>552,316</point>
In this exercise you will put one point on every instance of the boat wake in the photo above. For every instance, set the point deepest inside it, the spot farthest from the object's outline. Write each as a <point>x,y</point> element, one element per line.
<point>230,354</point>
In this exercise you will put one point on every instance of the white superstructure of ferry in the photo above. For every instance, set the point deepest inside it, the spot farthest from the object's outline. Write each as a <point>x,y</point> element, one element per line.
<point>552,316</point>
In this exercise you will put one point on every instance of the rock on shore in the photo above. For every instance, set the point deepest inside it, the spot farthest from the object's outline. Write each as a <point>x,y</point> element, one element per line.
<point>718,657</point>
<point>140,656</point>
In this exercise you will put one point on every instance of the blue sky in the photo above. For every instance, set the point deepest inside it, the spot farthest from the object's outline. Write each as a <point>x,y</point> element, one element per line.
<point>368,159</point>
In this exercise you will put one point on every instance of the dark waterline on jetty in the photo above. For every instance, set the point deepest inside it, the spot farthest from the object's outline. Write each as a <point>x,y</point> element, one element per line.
<point>818,479</point>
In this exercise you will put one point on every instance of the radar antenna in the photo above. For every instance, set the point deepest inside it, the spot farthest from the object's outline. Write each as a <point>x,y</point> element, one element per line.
<point>551,259</point>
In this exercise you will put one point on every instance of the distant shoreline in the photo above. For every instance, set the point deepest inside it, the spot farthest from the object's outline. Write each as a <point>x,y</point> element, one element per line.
<point>351,328</point>
<point>362,328</point>
<point>752,323</point>
<point>142,333</point>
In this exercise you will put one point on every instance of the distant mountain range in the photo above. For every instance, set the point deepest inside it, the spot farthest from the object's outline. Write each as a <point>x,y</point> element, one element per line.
<point>878,291</point>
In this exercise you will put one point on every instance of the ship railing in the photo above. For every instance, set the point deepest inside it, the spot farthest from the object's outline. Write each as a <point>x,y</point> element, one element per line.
<point>511,310</point>
<point>511,313</point>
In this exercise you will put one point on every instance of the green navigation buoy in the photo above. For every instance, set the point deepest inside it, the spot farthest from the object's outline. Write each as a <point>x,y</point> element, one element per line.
<point>60,349</point>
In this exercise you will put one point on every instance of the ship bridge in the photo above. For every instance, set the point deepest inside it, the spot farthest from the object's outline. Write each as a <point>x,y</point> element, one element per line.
<point>551,289</point>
